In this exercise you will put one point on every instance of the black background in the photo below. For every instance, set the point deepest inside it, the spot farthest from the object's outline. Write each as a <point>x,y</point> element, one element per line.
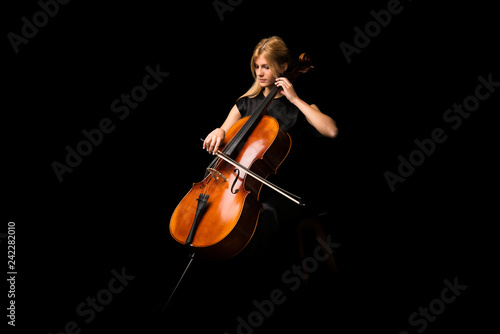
<point>113,210</point>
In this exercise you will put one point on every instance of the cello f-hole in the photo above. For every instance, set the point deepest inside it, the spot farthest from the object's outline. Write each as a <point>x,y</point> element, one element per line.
<point>237,171</point>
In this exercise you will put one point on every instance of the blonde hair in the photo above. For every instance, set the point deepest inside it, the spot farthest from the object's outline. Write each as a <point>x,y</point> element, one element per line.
<point>277,56</point>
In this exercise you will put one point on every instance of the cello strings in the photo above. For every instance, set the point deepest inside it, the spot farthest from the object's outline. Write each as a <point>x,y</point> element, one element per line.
<point>212,165</point>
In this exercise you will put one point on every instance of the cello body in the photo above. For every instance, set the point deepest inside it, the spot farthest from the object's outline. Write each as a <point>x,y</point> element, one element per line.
<point>228,218</point>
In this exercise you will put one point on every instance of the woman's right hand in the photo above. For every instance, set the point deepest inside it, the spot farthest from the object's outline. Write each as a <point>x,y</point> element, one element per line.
<point>214,140</point>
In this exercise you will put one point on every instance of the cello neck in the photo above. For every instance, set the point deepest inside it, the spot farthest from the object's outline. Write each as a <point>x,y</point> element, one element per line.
<point>254,119</point>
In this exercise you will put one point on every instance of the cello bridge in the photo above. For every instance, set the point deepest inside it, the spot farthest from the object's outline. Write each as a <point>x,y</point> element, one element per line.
<point>216,174</point>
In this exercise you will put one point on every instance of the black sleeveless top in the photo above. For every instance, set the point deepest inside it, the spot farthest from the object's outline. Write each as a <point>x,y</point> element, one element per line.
<point>289,117</point>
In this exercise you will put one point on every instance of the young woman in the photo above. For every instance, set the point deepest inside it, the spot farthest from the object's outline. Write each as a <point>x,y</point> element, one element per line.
<point>269,61</point>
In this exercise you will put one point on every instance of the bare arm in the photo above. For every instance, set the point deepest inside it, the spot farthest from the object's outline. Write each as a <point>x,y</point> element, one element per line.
<point>216,137</point>
<point>321,122</point>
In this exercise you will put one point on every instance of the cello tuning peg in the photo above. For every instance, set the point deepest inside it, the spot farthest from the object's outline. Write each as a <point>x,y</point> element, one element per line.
<point>305,59</point>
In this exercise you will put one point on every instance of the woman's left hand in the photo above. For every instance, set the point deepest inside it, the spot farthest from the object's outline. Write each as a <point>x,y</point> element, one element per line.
<point>287,89</point>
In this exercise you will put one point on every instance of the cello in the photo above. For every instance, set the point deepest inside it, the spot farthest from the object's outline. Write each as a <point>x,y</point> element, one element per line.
<point>218,216</point>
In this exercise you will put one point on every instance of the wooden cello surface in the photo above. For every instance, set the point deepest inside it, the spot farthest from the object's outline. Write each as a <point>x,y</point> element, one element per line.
<point>232,209</point>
